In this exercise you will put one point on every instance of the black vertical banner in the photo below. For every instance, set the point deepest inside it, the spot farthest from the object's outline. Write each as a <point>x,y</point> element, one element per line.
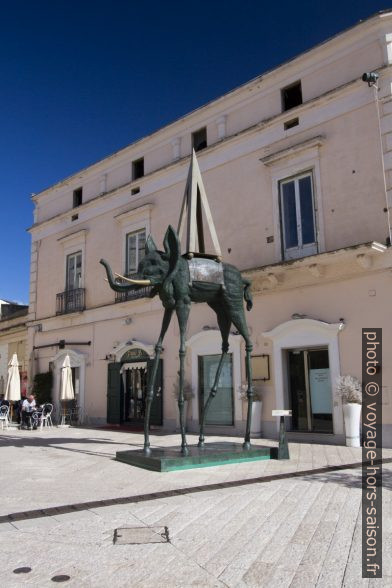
<point>371,453</point>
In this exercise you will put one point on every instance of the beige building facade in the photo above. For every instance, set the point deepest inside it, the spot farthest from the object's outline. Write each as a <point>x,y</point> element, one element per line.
<point>297,165</point>
<point>13,339</point>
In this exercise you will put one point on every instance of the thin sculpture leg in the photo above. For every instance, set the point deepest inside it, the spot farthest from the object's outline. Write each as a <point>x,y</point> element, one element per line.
<point>182,310</point>
<point>239,321</point>
<point>211,396</point>
<point>224,323</point>
<point>250,394</point>
<point>151,380</point>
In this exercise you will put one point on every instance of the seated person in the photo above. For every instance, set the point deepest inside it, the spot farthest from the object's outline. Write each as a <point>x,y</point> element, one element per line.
<point>28,407</point>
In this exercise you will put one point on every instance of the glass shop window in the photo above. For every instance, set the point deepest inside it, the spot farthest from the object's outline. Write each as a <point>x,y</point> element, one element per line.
<point>221,411</point>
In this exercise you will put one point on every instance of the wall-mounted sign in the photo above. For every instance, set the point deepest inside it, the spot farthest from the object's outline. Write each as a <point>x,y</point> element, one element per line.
<point>260,367</point>
<point>281,413</point>
<point>134,354</point>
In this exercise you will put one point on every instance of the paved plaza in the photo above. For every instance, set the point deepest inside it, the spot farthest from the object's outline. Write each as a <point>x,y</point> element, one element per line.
<point>68,512</point>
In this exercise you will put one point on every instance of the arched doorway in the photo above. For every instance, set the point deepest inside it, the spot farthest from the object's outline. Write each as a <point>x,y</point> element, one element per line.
<point>306,365</point>
<point>127,385</point>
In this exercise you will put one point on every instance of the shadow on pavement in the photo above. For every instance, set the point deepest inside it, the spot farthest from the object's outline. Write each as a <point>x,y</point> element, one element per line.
<point>331,474</point>
<point>62,442</point>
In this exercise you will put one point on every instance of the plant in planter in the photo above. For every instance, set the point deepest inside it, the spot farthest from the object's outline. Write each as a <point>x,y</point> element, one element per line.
<point>350,391</point>
<point>257,406</point>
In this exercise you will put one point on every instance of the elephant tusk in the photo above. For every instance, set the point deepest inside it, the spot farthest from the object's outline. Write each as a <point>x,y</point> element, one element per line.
<point>135,282</point>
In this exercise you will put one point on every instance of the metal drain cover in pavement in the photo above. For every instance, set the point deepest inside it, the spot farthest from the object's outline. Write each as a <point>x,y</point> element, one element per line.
<point>137,535</point>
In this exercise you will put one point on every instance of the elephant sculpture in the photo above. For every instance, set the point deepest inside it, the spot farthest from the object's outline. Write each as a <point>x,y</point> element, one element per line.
<point>179,281</point>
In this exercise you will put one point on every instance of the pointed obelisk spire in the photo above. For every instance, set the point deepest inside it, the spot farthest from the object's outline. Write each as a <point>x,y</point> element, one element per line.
<point>195,200</point>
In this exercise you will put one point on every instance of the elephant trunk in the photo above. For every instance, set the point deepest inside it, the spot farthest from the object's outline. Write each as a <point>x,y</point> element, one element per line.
<point>134,284</point>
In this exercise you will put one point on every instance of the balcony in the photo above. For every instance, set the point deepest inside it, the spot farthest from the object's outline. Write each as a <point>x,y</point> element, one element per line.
<point>70,301</point>
<point>133,294</point>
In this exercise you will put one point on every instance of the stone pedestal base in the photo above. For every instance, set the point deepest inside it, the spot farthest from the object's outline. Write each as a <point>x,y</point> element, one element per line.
<point>170,458</point>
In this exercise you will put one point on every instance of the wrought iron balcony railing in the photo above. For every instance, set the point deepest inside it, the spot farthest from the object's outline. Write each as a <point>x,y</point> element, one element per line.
<point>70,301</point>
<point>133,294</point>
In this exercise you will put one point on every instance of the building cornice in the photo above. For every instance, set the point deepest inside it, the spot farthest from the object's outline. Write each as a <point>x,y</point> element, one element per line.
<point>340,264</point>
<point>131,213</point>
<point>10,329</point>
<point>79,235</point>
<point>293,150</point>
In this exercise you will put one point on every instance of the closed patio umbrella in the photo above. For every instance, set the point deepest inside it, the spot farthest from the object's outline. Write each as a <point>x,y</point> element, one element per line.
<point>12,391</point>
<point>66,389</point>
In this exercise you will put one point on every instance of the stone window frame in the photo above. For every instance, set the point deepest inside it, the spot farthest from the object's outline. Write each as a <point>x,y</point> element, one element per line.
<point>291,162</point>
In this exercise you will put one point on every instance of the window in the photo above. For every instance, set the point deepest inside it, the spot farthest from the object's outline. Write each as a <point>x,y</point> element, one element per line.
<point>291,96</point>
<point>77,197</point>
<point>199,139</point>
<point>74,271</point>
<point>138,168</point>
<point>135,250</point>
<point>297,216</point>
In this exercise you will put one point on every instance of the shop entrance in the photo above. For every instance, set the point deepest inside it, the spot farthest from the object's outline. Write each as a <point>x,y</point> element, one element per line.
<point>127,388</point>
<point>135,378</point>
<point>310,390</point>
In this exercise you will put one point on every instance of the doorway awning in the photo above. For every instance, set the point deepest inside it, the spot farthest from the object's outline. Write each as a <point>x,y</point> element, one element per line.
<point>133,366</point>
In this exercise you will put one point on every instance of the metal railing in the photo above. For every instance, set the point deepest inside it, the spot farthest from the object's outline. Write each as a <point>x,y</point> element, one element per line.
<point>70,301</point>
<point>133,294</point>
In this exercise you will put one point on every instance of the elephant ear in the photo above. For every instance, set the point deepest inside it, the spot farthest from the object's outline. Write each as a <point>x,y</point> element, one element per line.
<point>172,247</point>
<point>150,246</point>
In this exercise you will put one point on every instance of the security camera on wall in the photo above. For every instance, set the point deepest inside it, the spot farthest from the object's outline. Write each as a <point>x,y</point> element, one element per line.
<point>371,78</point>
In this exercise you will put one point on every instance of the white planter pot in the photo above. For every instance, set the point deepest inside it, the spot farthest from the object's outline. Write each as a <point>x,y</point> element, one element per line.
<point>352,415</point>
<point>255,428</point>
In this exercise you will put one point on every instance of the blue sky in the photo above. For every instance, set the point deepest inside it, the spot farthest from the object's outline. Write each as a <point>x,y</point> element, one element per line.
<point>82,78</point>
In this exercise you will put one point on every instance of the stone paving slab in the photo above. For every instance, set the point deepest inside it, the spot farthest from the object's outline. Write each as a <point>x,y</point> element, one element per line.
<point>300,531</point>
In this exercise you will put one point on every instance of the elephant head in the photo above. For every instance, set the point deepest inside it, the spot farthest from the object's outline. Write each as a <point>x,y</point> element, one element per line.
<point>157,269</point>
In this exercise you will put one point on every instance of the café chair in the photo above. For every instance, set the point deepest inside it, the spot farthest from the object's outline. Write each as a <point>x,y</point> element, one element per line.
<point>4,413</point>
<point>46,415</point>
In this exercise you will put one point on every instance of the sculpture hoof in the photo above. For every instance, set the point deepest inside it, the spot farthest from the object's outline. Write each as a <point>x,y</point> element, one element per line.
<point>147,451</point>
<point>184,450</point>
<point>246,445</point>
<point>201,444</point>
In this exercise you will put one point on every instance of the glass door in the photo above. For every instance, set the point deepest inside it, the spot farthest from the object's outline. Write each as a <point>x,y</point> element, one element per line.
<point>74,271</point>
<point>320,390</point>
<point>221,410</point>
<point>298,217</point>
<point>310,390</point>
<point>134,394</point>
